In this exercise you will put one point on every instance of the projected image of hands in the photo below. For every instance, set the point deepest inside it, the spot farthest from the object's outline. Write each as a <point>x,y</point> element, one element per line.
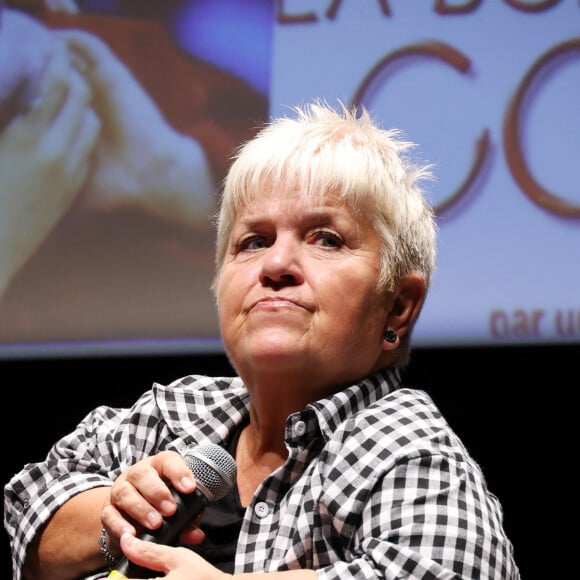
<point>114,138</point>
<point>48,133</point>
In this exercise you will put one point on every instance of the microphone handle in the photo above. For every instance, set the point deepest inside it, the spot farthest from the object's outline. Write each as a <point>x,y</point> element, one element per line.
<point>189,506</point>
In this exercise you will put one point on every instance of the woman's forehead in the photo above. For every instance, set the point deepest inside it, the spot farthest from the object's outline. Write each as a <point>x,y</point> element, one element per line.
<point>294,207</point>
<point>266,193</point>
<point>296,200</point>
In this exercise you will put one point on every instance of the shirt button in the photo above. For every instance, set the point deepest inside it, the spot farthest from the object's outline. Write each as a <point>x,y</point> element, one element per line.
<point>261,509</point>
<point>300,428</point>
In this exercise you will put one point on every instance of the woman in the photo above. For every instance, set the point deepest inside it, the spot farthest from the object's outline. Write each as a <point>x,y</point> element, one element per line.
<point>325,251</point>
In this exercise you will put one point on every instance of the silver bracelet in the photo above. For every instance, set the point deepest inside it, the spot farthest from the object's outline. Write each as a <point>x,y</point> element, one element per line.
<point>110,560</point>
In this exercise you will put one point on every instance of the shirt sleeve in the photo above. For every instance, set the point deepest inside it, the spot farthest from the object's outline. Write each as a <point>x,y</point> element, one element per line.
<point>92,455</point>
<point>430,517</point>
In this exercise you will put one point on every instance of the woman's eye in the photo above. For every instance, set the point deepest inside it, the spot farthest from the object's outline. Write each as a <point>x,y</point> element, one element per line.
<point>328,239</point>
<point>251,243</point>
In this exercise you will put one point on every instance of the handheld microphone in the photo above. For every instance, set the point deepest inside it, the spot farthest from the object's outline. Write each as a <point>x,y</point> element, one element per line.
<point>215,471</point>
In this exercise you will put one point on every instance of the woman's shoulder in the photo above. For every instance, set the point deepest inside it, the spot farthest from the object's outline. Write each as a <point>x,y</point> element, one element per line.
<point>404,423</point>
<point>204,383</point>
<point>199,392</point>
<point>398,407</point>
<point>408,403</point>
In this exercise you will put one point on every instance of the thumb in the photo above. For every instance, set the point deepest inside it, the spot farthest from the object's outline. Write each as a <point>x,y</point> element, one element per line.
<point>147,555</point>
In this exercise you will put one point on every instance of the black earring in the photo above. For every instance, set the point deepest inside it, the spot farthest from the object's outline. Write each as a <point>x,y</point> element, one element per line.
<point>390,336</point>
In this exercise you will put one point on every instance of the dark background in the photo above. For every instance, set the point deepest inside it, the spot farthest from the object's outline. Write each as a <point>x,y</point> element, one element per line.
<point>514,407</point>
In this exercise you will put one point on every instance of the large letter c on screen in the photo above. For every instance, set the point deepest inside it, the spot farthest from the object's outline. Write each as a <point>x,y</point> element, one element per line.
<point>459,62</point>
<point>512,138</point>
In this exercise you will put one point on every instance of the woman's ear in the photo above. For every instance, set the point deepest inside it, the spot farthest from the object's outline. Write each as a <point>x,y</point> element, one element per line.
<point>408,299</point>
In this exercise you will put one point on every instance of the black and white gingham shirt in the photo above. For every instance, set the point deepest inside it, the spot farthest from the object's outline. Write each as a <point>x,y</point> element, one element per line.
<point>376,484</point>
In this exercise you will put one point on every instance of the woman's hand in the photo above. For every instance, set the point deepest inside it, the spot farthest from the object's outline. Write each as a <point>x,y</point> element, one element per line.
<point>141,497</point>
<point>183,564</point>
<point>174,563</point>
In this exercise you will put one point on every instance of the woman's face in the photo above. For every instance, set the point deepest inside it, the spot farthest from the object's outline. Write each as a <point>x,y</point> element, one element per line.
<point>298,290</point>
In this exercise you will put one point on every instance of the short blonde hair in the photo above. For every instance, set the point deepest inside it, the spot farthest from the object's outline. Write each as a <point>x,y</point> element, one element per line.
<point>321,149</point>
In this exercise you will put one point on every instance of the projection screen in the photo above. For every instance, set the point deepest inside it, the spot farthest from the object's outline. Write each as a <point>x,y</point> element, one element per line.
<point>118,120</point>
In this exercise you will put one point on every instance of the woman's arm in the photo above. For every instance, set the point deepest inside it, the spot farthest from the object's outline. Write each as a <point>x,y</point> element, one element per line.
<point>67,547</point>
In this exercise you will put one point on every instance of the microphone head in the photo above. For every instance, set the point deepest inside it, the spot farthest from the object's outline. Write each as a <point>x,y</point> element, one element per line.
<point>213,468</point>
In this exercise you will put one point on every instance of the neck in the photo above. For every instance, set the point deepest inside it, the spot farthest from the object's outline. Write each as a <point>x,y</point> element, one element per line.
<point>259,452</point>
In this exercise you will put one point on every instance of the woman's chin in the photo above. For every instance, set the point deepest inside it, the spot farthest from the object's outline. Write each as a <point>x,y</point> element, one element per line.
<point>274,351</point>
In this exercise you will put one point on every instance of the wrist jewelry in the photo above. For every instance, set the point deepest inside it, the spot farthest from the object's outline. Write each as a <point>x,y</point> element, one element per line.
<point>110,560</point>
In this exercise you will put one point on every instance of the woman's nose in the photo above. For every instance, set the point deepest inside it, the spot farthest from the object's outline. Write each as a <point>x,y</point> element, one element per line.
<point>281,263</point>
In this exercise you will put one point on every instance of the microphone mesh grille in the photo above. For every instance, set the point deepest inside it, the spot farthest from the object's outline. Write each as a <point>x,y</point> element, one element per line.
<point>213,468</point>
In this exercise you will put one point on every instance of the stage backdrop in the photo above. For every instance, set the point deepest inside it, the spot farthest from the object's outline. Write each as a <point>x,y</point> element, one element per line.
<point>107,246</point>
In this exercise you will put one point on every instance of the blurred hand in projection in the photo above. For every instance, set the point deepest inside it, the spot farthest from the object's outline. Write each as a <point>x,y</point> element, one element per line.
<point>140,159</point>
<point>48,131</point>
<point>75,125</point>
